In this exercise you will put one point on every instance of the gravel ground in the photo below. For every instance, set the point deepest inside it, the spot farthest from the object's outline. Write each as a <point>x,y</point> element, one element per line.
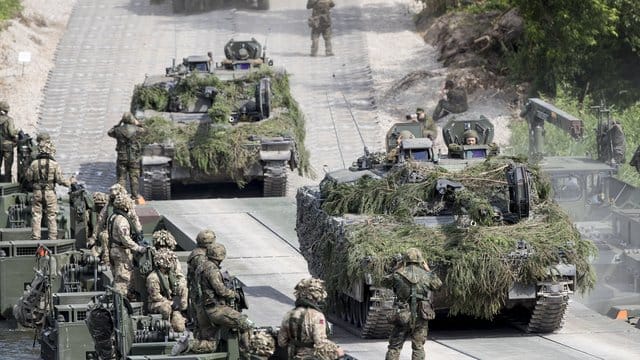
<point>38,31</point>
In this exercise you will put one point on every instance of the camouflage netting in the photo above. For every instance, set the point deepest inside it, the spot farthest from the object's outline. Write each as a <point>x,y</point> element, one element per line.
<point>220,148</point>
<point>478,264</point>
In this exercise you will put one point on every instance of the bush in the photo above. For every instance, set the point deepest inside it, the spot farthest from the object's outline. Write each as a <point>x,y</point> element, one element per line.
<point>9,9</point>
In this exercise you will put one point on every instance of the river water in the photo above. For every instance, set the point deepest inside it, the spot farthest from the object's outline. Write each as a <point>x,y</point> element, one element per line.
<point>17,344</point>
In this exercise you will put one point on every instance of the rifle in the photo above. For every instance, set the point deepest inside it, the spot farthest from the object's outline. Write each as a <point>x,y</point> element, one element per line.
<point>231,282</point>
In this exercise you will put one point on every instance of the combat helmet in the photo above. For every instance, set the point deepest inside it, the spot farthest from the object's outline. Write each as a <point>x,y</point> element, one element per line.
<point>122,202</point>
<point>117,189</point>
<point>311,289</point>
<point>262,344</point>
<point>243,54</point>
<point>4,106</point>
<point>413,255</point>
<point>46,147</point>
<point>165,259</point>
<point>100,198</point>
<point>205,237</point>
<point>163,239</point>
<point>43,136</point>
<point>470,133</point>
<point>128,118</point>
<point>217,252</point>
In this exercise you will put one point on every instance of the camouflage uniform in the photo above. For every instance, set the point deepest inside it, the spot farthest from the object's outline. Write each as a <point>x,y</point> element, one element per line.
<point>44,173</point>
<point>164,241</point>
<point>411,312</point>
<point>304,329</point>
<point>612,144</point>
<point>215,301</point>
<point>320,24</point>
<point>163,290</point>
<point>127,133</point>
<point>429,127</point>
<point>198,256</point>
<point>8,136</point>
<point>98,242</point>
<point>455,101</point>
<point>120,231</point>
<point>635,160</point>
<point>100,232</point>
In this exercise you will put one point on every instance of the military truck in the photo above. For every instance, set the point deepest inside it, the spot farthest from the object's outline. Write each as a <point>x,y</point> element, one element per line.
<point>217,131</point>
<point>485,223</point>
<point>196,6</point>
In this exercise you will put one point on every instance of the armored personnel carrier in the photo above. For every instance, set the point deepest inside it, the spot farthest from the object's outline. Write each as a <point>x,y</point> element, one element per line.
<point>233,122</point>
<point>196,6</point>
<point>486,225</point>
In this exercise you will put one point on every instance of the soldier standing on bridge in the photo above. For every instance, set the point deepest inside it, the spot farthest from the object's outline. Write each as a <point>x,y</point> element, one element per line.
<point>304,329</point>
<point>412,283</point>
<point>8,139</point>
<point>43,174</point>
<point>127,133</point>
<point>320,24</point>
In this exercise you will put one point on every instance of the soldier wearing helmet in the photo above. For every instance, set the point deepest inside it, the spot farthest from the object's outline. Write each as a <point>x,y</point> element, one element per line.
<point>304,329</point>
<point>98,242</point>
<point>106,210</point>
<point>43,174</point>
<point>395,152</point>
<point>412,284</point>
<point>8,140</point>
<point>216,299</point>
<point>163,240</point>
<point>453,101</point>
<point>320,24</point>
<point>129,149</point>
<point>204,239</point>
<point>470,137</point>
<point>163,289</point>
<point>121,230</point>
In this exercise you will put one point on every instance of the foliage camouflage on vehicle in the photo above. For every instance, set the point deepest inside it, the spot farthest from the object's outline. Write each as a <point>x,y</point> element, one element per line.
<point>477,263</point>
<point>218,147</point>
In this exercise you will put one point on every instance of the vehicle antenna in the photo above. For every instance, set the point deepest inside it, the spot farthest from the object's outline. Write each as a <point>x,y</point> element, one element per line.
<point>335,130</point>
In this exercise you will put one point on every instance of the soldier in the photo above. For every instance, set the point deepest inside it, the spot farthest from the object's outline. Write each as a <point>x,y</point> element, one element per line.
<point>470,137</point>
<point>612,143</point>
<point>127,133</point>
<point>98,242</point>
<point>163,241</point>
<point>198,256</point>
<point>216,298</point>
<point>106,211</point>
<point>393,154</point>
<point>120,229</point>
<point>412,283</point>
<point>429,127</point>
<point>635,160</point>
<point>9,138</point>
<point>304,329</point>
<point>320,24</point>
<point>454,101</point>
<point>44,173</point>
<point>163,290</point>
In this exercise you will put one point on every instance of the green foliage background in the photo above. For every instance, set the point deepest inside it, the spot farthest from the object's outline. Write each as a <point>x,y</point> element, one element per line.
<point>9,9</point>
<point>558,143</point>
<point>589,47</point>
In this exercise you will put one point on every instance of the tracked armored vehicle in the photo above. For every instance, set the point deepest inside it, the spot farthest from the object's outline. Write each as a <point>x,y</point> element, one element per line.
<point>211,124</point>
<point>486,225</point>
<point>197,6</point>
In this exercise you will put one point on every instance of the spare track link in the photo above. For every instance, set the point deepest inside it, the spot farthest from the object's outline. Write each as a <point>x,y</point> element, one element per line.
<point>548,314</point>
<point>377,325</point>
